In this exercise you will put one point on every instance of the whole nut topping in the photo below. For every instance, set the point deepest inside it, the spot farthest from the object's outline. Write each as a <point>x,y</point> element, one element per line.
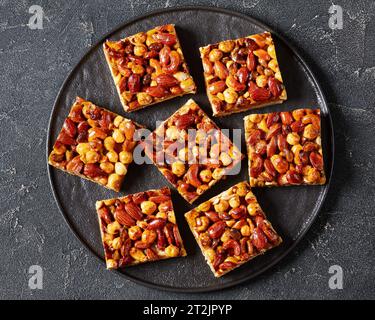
<point>219,258</point>
<point>168,231</point>
<point>259,240</point>
<point>157,91</point>
<point>238,213</point>
<point>162,241</point>
<point>105,214</point>
<point>233,247</point>
<point>184,121</point>
<point>156,224</point>
<point>133,210</point>
<point>165,38</point>
<point>192,175</point>
<point>159,199</point>
<point>220,70</point>
<point>216,230</point>
<point>166,80</point>
<point>124,218</point>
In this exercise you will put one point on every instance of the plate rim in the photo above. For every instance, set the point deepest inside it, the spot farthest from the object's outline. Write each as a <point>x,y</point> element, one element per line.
<point>320,93</point>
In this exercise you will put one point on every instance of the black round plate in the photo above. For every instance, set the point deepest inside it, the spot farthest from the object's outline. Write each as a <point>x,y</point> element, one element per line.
<point>290,209</point>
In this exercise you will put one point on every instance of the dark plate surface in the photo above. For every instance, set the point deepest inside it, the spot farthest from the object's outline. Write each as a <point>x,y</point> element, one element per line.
<point>290,209</point>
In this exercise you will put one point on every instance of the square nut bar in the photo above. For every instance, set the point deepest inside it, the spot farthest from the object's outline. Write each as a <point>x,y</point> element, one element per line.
<point>242,74</point>
<point>95,144</point>
<point>285,148</point>
<point>231,229</point>
<point>191,151</point>
<point>148,67</point>
<point>139,228</point>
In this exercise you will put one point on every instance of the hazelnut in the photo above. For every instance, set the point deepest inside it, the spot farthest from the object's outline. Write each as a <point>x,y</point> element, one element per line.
<point>202,223</point>
<point>82,148</point>
<point>187,85</point>
<point>218,173</point>
<point>113,228</point>
<point>226,46</point>
<point>118,136</point>
<point>225,159</point>
<point>125,157</point>
<point>171,251</point>
<point>114,181</point>
<point>205,206</point>
<point>148,207</point>
<point>138,69</point>
<point>149,236</point>
<point>252,208</point>
<point>310,132</point>
<point>112,156</point>
<point>234,201</point>
<point>144,98</point>
<point>172,133</point>
<point>134,232</point>
<point>111,264</point>
<point>222,206</point>
<point>171,217</point>
<point>178,168</point>
<point>292,138</point>
<point>120,169</point>
<point>242,190</point>
<point>226,236</point>
<point>140,50</point>
<point>215,55</point>
<point>230,95</point>
<point>256,118</point>
<point>109,143</point>
<point>137,255</point>
<point>273,65</point>
<point>245,231</point>
<point>205,175</point>
<point>107,167</point>
<point>210,254</point>
<point>116,243</point>
<point>261,81</point>
<point>92,156</point>
<point>117,121</point>
<point>183,154</point>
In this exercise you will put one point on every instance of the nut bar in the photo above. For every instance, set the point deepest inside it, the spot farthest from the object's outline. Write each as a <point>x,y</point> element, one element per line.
<point>139,228</point>
<point>242,74</point>
<point>148,67</point>
<point>191,151</point>
<point>284,148</point>
<point>95,144</point>
<point>231,228</point>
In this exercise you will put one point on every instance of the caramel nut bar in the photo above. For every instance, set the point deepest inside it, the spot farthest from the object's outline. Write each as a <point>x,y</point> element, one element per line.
<point>95,144</point>
<point>139,228</point>
<point>148,67</point>
<point>242,74</point>
<point>231,229</point>
<point>191,151</point>
<point>284,148</point>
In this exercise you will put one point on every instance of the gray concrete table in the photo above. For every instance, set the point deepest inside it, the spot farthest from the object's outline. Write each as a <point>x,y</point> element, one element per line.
<point>33,66</point>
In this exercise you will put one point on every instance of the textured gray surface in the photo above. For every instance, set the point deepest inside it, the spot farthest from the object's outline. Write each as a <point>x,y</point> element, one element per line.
<point>33,66</point>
